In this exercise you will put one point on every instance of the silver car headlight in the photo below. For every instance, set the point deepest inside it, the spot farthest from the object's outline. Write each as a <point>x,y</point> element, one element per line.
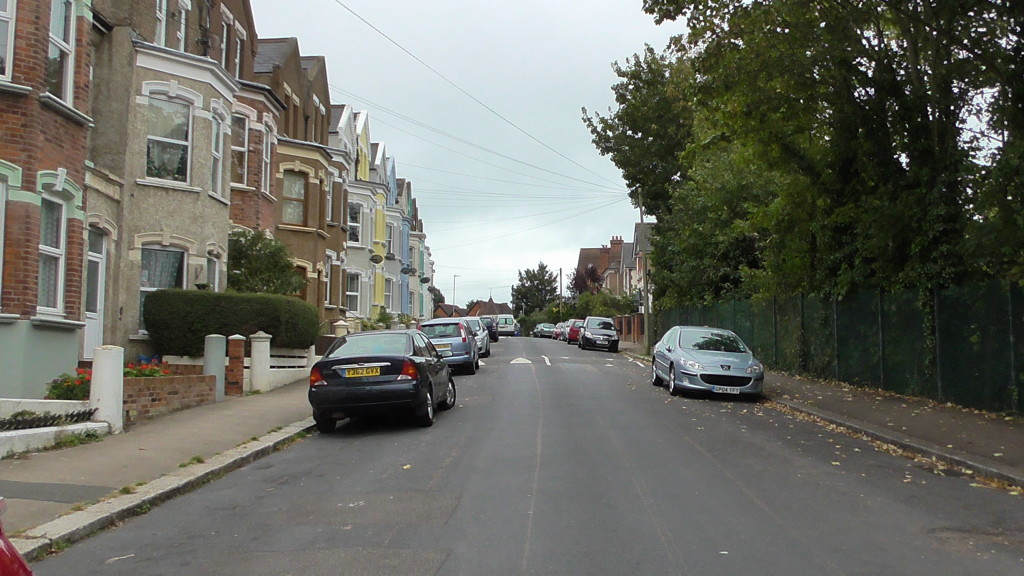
<point>693,365</point>
<point>755,369</point>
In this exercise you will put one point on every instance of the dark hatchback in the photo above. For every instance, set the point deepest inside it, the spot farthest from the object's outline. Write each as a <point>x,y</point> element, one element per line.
<point>492,327</point>
<point>598,332</point>
<point>381,371</point>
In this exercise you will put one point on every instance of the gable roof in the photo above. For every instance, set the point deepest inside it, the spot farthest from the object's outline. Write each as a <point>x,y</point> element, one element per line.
<point>271,52</point>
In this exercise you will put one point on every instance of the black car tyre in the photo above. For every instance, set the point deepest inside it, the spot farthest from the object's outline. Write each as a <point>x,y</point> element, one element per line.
<point>655,379</point>
<point>487,350</point>
<point>471,367</point>
<point>613,348</point>
<point>451,395</point>
<point>426,418</point>
<point>324,424</point>
<point>672,381</point>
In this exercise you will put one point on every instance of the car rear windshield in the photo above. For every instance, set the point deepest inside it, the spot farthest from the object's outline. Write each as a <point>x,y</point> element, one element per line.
<point>372,345</point>
<point>441,330</point>
<point>600,324</point>
<point>711,341</point>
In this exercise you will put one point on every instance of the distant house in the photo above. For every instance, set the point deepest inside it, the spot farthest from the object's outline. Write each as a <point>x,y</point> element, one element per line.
<point>449,311</point>
<point>489,308</point>
<point>608,263</point>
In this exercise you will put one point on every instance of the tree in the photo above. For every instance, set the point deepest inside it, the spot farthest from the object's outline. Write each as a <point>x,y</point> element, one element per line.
<point>436,295</point>
<point>259,263</point>
<point>535,290</point>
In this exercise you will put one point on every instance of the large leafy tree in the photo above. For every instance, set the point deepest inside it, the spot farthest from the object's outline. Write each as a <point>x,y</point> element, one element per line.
<point>826,146</point>
<point>535,290</point>
<point>259,263</point>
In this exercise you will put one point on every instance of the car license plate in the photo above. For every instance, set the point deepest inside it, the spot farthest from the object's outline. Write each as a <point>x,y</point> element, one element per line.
<point>359,372</point>
<point>443,346</point>
<point>725,390</point>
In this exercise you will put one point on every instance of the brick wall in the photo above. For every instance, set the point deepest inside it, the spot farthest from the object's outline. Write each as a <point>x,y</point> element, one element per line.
<point>152,396</point>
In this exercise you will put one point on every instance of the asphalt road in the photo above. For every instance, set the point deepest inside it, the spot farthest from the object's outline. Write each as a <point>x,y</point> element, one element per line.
<point>563,462</point>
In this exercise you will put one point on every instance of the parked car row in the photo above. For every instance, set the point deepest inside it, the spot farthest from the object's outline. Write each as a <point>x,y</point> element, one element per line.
<point>411,370</point>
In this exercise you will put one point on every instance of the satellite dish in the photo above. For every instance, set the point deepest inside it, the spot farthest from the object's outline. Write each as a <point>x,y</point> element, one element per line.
<point>425,280</point>
<point>376,258</point>
<point>407,270</point>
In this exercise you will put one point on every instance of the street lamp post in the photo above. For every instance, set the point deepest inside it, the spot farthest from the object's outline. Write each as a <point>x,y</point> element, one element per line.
<point>454,276</point>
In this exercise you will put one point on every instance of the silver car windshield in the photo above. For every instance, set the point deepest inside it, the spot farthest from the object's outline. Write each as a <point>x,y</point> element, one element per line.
<point>710,341</point>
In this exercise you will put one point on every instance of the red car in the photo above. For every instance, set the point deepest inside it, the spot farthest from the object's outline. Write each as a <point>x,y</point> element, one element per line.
<point>572,331</point>
<point>11,563</point>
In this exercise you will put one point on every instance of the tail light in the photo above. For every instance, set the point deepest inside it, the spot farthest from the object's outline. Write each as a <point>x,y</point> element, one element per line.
<point>462,330</point>
<point>315,378</point>
<point>409,371</point>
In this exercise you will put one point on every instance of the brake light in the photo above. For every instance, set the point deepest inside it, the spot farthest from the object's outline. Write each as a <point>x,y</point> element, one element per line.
<point>315,378</point>
<point>409,371</point>
<point>462,329</point>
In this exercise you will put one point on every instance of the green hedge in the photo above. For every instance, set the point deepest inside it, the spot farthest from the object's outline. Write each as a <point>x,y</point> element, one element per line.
<point>178,321</point>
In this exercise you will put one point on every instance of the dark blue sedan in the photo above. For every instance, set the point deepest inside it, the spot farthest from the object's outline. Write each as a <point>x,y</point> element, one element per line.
<point>380,371</point>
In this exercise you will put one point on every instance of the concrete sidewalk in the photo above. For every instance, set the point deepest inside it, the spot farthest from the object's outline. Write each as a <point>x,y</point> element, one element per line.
<point>56,498</point>
<point>52,496</point>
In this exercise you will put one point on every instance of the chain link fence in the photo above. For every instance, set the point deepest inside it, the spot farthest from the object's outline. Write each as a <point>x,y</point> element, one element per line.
<point>963,345</point>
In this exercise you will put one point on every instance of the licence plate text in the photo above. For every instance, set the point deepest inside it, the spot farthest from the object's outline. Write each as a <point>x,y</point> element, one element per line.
<point>359,372</point>
<point>725,390</point>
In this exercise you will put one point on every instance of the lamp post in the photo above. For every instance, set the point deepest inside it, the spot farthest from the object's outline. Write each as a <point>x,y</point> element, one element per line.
<point>454,276</point>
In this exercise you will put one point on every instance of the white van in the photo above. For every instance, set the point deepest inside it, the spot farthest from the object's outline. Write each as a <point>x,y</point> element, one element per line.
<point>506,325</point>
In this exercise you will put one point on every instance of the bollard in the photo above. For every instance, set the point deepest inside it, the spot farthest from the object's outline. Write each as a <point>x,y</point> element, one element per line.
<point>214,356</point>
<point>259,363</point>
<point>106,392</point>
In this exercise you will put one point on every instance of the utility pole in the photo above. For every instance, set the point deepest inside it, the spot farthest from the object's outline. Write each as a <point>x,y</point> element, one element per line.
<point>559,294</point>
<point>454,302</point>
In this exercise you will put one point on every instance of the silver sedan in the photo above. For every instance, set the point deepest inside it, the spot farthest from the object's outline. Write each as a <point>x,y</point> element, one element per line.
<point>696,358</point>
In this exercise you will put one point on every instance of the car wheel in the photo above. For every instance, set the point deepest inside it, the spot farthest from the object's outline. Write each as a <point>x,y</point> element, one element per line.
<point>471,367</point>
<point>672,381</point>
<point>487,351</point>
<point>450,396</point>
<point>426,418</point>
<point>655,379</point>
<point>613,348</point>
<point>324,424</point>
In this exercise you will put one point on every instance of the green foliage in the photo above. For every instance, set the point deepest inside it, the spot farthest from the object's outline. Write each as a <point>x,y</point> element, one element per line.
<point>825,147</point>
<point>535,290</point>
<point>260,264</point>
<point>178,321</point>
<point>70,387</point>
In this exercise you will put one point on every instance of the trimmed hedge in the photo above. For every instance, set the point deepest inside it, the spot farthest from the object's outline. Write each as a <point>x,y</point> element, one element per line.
<point>178,321</point>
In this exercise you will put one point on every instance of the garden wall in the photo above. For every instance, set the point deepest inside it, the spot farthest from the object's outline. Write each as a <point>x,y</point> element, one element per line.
<point>146,397</point>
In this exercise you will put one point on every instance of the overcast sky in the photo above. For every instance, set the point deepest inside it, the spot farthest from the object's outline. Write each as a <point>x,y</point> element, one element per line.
<point>479,103</point>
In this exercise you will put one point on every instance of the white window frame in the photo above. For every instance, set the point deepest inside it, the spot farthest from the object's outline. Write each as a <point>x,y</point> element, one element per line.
<point>389,294</point>
<point>330,258</point>
<point>390,238</point>
<point>183,9</point>
<point>9,16</point>
<point>148,289</point>
<point>329,197</point>
<point>66,46</point>
<point>243,148</point>
<point>217,154</point>
<point>267,155</point>
<point>166,96</point>
<point>160,36</point>
<point>240,38</point>
<point>225,32</point>
<point>57,253</point>
<point>356,227</point>
<point>286,199</point>
<point>213,273</point>
<point>349,294</point>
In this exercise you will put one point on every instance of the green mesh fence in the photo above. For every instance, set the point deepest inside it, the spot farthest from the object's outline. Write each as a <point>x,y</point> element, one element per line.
<point>881,340</point>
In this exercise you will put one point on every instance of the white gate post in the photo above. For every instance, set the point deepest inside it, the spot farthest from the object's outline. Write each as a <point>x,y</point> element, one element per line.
<point>259,364</point>
<point>106,392</point>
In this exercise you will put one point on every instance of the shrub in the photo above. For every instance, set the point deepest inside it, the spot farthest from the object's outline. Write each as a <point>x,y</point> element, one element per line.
<point>68,387</point>
<point>178,321</point>
<point>76,387</point>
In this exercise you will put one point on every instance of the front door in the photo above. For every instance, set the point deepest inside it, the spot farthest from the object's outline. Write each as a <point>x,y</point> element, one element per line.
<point>95,287</point>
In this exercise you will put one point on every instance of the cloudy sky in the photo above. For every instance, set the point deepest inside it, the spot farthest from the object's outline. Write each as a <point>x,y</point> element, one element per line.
<point>479,103</point>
